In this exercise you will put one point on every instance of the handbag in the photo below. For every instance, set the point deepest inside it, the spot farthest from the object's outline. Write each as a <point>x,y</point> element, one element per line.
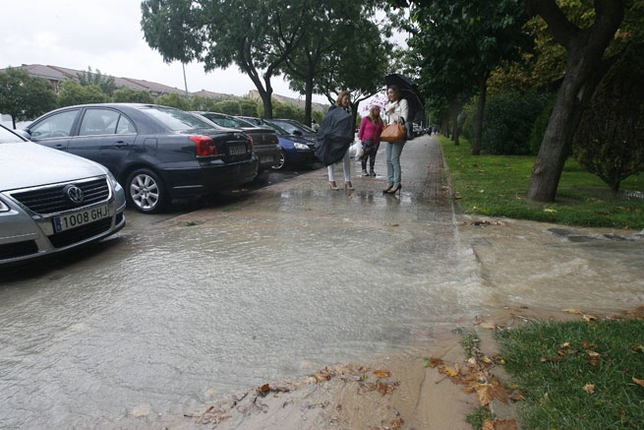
<point>394,133</point>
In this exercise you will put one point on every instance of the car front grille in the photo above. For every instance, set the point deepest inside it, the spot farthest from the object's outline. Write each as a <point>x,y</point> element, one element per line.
<point>52,199</point>
<point>78,234</point>
<point>18,249</point>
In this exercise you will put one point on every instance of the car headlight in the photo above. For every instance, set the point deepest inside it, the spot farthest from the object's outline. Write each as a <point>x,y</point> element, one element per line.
<point>301,146</point>
<point>113,181</point>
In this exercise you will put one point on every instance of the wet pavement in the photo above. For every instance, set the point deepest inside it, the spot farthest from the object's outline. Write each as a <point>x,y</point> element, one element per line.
<point>276,283</point>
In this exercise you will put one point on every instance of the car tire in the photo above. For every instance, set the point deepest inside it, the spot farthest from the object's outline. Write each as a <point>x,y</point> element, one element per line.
<point>282,161</point>
<point>145,191</point>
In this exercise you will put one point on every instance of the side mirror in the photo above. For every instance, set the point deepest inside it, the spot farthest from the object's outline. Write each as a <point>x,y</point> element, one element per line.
<point>297,133</point>
<point>24,133</point>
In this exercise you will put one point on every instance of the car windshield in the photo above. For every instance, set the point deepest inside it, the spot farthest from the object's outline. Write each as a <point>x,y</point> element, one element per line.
<point>175,119</point>
<point>277,128</point>
<point>7,136</point>
<point>290,126</point>
<point>228,121</point>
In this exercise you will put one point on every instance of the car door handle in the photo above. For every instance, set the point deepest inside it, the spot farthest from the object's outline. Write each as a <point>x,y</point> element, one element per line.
<point>121,144</point>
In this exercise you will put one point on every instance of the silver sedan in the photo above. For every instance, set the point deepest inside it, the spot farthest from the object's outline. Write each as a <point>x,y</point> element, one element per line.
<point>51,201</point>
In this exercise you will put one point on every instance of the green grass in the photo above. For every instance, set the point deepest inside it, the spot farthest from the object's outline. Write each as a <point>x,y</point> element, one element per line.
<point>497,185</point>
<point>552,362</point>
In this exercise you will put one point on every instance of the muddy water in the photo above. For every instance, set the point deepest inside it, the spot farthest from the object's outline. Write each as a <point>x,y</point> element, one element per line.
<point>182,308</point>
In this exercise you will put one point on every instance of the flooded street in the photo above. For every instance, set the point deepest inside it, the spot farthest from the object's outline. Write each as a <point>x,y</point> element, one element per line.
<point>181,308</point>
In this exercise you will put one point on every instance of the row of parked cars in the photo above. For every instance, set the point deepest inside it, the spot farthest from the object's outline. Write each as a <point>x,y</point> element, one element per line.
<point>71,186</point>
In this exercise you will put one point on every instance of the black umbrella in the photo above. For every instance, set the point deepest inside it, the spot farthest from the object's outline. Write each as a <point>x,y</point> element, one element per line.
<point>408,91</point>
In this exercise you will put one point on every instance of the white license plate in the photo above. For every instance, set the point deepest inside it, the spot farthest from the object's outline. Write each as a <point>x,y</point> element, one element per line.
<point>237,150</point>
<point>76,219</point>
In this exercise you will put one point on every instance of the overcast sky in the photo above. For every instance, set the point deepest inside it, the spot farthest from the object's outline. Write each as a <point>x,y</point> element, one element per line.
<point>105,35</point>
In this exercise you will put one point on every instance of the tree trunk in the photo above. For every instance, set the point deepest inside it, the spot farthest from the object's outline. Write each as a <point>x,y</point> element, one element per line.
<point>478,124</point>
<point>454,111</point>
<point>583,72</point>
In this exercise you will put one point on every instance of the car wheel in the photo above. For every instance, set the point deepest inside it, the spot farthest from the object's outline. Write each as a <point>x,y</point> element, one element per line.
<point>282,161</point>
<point>145,191</point>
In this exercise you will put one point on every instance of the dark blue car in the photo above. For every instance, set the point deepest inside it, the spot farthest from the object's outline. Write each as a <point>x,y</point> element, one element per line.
<point>296,149</point>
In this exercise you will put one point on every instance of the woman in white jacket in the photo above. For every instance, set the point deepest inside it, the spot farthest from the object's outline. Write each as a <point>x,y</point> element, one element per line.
<point>397,110</point>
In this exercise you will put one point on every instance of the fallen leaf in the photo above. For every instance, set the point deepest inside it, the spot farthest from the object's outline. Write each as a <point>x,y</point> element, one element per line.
<point>450,371</point>
<point>551,360</point>
<point>505,425</point>
<point>593,361</point>
<point>488,325</point>
<point>434,362</point>
<point>592,353</point>
<point>639,382</point>
<point>573,311</point>
<point>382,373</point>
<point>589,388</point>
<point>589,318</point>
<point>588,345</point>
<point>488,424</point>
<point>485,393</point>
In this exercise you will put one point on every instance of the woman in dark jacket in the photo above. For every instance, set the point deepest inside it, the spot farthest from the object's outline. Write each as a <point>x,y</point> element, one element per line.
<point>334,138</point>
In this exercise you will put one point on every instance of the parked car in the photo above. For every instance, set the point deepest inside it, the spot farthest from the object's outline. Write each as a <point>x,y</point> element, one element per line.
<point>294,127</point>
<point>265,142</point>
<point>157,152</point>
<point>295,150</point>
<point>51,201</point>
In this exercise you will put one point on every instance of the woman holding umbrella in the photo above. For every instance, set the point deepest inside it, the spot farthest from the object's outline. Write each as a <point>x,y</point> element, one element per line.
<point>397,110</point>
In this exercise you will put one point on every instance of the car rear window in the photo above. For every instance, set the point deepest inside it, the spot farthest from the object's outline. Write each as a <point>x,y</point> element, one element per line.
<point>175,119</point>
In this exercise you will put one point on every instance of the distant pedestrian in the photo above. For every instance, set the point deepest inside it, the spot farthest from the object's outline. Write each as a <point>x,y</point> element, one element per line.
<point>314,125</point>
<point>370,128</point>
<point>397,111</point>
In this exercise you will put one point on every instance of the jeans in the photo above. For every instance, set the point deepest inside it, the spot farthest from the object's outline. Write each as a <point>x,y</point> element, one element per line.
<point>370,151</point>
<point>392,152</point>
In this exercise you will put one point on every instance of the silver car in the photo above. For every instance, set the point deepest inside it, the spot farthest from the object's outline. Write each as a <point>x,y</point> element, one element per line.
<point>51,201</point>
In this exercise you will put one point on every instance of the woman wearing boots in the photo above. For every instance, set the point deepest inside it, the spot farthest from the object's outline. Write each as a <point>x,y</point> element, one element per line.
<point>369,134</point>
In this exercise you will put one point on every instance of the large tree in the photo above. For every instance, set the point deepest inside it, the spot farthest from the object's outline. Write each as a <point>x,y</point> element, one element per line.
<point>254,35</point>
<point>352,53</point>
<point>585,67</point>
<point>586,63</point>
<point>24,97</point>
<point>460,42</point>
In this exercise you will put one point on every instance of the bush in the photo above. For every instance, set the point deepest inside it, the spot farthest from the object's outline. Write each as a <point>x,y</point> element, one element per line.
<point>540,125</point>
<point>610,140</point>
<point>509,117</point>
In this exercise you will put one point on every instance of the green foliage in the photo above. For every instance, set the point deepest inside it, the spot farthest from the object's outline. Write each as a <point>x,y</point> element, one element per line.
<point>540,125</point>
<point>576,374</point>
<point>174,100</point>
<point>73,93</point>
<point>202,103</point>
<point>24,97</point>
<point>107,84</point>
<point>610,140</point>
<point>248,107</point>
<point>509,119</point>
<point>497,185</point>
<point>229,107</point>
<point>283,110</point>
<point>479,415</point>
<point>128,95</point>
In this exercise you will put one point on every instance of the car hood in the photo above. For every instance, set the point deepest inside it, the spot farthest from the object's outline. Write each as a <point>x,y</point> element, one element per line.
<point>26,164</point>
